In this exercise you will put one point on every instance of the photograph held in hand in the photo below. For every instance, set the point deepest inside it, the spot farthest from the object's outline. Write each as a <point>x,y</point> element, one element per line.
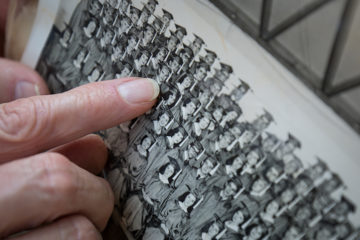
<point>193,167</point>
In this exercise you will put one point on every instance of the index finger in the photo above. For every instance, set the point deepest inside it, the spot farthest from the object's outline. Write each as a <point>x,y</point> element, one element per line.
<point>39,123</point>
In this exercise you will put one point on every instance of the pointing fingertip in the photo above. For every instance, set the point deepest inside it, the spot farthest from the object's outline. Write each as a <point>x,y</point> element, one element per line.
<point>156,88</point>
<point>140,90</point>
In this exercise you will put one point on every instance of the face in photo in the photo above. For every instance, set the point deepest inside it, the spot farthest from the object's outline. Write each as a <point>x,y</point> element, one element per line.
<point>272,208</point>
<point>118,52</point>
<point>126,71</point>
<point>259,185</point>
<point>146,143</point>
<point>148,34</point>
<point>108,36</point>
<point>273,173</point>
<point>189,200</point>
<point>238,217</point>
<point>200,73</point>
<point>95,7</point>
<point>164,119</point>
<point>90,28</point>
<point>109,15</point>
<point>225,140</point>
<point>151,6</point>
<point>287,195</point>
<point>253,158</point>
<point>164,74</point>
<point>66,36</point>
<point>80,57</point>
<point>207,166</point>
<point>229,190</point>
<point>218,114</point>
<point>257,232</point>
<point>95,75</point>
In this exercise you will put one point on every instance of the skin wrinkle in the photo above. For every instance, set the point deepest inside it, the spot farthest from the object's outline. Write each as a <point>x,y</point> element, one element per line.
<point>89,97</point>
<point>20,122</point>
<point>60,184</point>
<point>85,98</point>
<point>58,181</point>
<point>79,111</point>
<point>8,117</point>
<point>44,190</point>
<point>65,186</point>
<point>31,181</point>
<point>51,192</point>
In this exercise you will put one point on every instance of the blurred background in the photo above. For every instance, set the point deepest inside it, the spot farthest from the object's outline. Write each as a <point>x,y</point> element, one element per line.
<point>318,40</point>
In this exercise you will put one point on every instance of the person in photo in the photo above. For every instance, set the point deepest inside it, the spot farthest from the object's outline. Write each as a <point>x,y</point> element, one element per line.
<point>151,5</point>
<point>269,142</point>
<point>147,36</point>
<point>211,230</point>
<point>255,232</point>
<point>234,165</point>
<point>96,74</point>
<point>209,58</point>
<point>140,61</point>
<point>126,70</point>
<point>123,8</point>
<point>71,71</point>
<point>161,124</point>
<point>185,112</point>
<point>170,99</point>
<point>177,213</point>
<point>268,215</point>
<point>134,14</point>
<point>238,93</point>
<point>184,82</point>
<point>287,147</point>
<point>166,19</point>
<point>186,55</point>
<point>123,26</point>
<point>202,127</point>
<point>263,121</point>
<point>223,74</point>
<point>158,188</point>
<point>109,17</point>
<point>143,18</point>
<point>90,28</point>
<point>197,44</point>
<point>191,154</point>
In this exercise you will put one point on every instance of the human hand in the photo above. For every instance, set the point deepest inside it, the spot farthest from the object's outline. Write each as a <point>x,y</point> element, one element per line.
<point>48,163</point>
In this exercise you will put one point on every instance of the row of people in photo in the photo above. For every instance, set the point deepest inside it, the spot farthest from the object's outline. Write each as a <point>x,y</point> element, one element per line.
<point>252,161</point>
<point>97,59</point>
<point>193,154</point>
<point>262,186</point>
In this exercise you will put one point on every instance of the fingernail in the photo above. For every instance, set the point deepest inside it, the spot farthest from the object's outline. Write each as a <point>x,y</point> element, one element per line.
<point>26,89</point>
<point>139,90</point>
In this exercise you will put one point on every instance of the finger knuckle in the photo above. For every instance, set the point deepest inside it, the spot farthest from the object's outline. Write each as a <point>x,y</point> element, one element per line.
<point>84,229</point>
<point>22,119</point>
<point>60,181</point>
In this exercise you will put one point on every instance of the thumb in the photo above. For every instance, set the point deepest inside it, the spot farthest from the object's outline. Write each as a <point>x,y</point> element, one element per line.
<point>19,81</point>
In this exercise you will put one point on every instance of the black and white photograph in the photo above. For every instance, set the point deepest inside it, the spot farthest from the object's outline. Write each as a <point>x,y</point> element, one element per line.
<point>204,163</point>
